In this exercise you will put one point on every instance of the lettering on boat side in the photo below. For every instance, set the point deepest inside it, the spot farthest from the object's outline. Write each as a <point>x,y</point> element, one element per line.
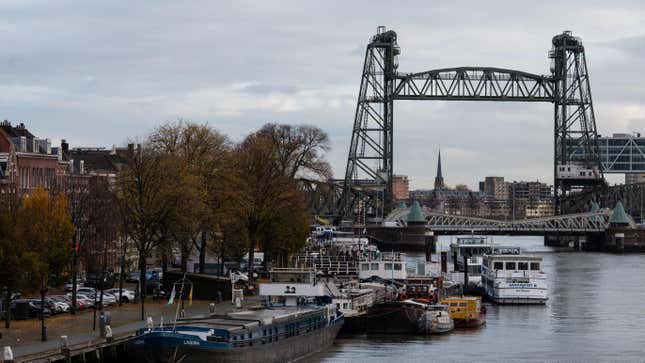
<point>191,342</point>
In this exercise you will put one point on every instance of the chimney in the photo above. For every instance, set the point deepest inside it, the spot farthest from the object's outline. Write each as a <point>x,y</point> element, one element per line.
<point>81,166</point>
<point>113,151</point>
<point>130,150</point>
<point>65,146</point>
<point>48,149</point>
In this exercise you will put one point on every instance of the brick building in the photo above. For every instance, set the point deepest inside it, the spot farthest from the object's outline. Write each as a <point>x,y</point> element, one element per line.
<point>30,162</point>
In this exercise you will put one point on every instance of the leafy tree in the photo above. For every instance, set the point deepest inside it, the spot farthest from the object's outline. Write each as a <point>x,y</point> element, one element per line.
<point>269,195</point>
<point>146,200</point>
<point>299,149</point>
<point>16,261</point>
<point>200,155</point>
<point>46,227</point>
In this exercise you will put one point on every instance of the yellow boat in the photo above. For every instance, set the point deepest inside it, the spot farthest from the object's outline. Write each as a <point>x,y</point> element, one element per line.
<point>466,311</point>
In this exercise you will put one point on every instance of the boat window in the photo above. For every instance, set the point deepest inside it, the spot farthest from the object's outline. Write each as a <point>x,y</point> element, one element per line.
<point>375,266</point>
<point>498,265</point>
<point>463,304</point>
<point>523,266</point>
<point>388,266</point>
<point>510,265</point>
<point>535,266</point>
<point>345,305</point>
<point>365,266</point>
<point>454,304</point>
<point>397,266</point>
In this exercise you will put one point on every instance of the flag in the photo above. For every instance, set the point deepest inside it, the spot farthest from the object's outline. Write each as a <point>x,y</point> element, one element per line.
<point>172,296</point>
<point>190,296</point>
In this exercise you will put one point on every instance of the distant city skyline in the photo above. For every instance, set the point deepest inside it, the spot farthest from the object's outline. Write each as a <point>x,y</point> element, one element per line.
<point>106,72</point>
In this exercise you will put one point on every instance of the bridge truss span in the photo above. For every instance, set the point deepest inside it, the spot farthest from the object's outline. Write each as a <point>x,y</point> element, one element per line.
<point>572,223</point>
<point>474,84</point>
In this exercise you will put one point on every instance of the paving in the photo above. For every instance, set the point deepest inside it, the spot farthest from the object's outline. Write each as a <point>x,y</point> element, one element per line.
<point>24,335</point>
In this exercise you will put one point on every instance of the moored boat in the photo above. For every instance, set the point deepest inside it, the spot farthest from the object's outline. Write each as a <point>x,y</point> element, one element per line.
<point>466,311</point>
<point>514,279</point>
<point>295,324</point>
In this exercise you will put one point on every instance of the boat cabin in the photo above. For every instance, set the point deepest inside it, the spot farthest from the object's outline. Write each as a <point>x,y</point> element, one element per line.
<point>388,266</point>
<point>512,265</point>
<point>463,307</point>
<point>290,284</point>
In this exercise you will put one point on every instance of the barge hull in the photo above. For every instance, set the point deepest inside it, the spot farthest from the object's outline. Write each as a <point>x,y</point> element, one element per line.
<point>286,350</point>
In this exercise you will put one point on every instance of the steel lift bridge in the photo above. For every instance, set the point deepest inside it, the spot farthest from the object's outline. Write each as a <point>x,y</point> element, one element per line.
<point>370,168</point>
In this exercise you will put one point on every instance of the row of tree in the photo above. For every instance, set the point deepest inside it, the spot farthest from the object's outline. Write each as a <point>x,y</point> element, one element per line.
<point>185,189</point>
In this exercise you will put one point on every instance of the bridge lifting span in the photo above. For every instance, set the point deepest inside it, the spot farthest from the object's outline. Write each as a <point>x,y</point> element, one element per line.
<point>370,158</point>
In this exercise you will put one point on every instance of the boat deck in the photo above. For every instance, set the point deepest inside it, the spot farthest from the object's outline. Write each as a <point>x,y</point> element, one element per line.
<point>247,319</point>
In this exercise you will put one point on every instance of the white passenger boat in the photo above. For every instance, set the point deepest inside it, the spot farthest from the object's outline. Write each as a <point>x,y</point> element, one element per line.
<point>514,279</point>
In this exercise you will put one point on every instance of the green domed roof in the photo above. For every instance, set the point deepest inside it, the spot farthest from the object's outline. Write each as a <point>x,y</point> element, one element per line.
<point>416,214</point>
<point>619,216</point>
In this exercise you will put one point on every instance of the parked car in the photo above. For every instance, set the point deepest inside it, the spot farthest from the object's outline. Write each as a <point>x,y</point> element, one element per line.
<point>85,300</point>
<point>126,295</point>
<point>69,286</point>
<point>108,299</point>
<point>57,307</point>
<point>86,290</point>
<point>65,302</point>
<point>35,308</point>
<point>133,276</point>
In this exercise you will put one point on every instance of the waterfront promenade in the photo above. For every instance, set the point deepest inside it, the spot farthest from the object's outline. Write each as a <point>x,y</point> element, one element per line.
<point>24,335</point>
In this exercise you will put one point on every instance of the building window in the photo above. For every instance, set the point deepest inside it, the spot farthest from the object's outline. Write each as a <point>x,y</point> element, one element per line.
<point>535,266</point>
<point>510,266</point>
<point>375,266</point>
<point>523,266</point>
<point>365,266</point>
<point>397,266</point>
<point>388,266</point>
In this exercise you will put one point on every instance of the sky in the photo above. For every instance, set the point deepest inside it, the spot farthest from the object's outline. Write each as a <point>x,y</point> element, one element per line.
<point>98,73</point>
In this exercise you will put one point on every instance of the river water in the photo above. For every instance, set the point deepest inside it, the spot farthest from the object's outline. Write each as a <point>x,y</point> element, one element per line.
<point>595,313</point>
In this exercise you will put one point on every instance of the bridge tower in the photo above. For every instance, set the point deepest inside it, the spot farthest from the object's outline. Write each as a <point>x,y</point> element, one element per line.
<point>574,120</point>
<point>370,159</point>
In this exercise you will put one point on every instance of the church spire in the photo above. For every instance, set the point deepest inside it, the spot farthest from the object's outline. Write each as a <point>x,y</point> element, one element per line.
<point>438,180</point>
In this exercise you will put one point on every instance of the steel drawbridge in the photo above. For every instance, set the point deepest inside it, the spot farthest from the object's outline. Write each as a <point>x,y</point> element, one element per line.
<point>370,159</point>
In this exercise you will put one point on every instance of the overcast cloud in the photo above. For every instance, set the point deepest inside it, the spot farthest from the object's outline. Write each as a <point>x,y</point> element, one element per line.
<point>98,72</point>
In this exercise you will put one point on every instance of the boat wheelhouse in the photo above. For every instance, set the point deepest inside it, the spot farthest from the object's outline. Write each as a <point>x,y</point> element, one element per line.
<point>387,265</point>
<point>472,248</point>
<point>466,311</point>
<point>514,279</point>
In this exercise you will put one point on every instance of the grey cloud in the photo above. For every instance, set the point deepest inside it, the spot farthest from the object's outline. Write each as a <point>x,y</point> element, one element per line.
<point>100,72</point>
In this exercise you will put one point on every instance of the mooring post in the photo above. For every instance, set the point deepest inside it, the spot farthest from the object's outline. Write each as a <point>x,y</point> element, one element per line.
<point>7,355</point>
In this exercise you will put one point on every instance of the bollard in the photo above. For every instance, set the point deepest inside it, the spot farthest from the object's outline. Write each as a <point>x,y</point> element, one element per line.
<point>7,355</point>
<point>211,307</point>
<point>64,345</point>
<point>150,323</point>
<point>108,334</point>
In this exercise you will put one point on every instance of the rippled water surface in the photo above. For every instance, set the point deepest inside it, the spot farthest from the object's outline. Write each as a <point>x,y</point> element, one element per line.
<point>595,312</point>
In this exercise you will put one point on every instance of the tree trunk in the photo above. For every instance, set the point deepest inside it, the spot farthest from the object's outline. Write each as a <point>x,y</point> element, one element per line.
<point>74,278</point>
<point>221,258</point>
<point>164,261</point>
<point>251,257</point>
<point>122,275</point>
<point>43,329</point>
<point>142,283</point>
<point>184,258</point>
<point>7,307</point>
<point>202,254</point>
